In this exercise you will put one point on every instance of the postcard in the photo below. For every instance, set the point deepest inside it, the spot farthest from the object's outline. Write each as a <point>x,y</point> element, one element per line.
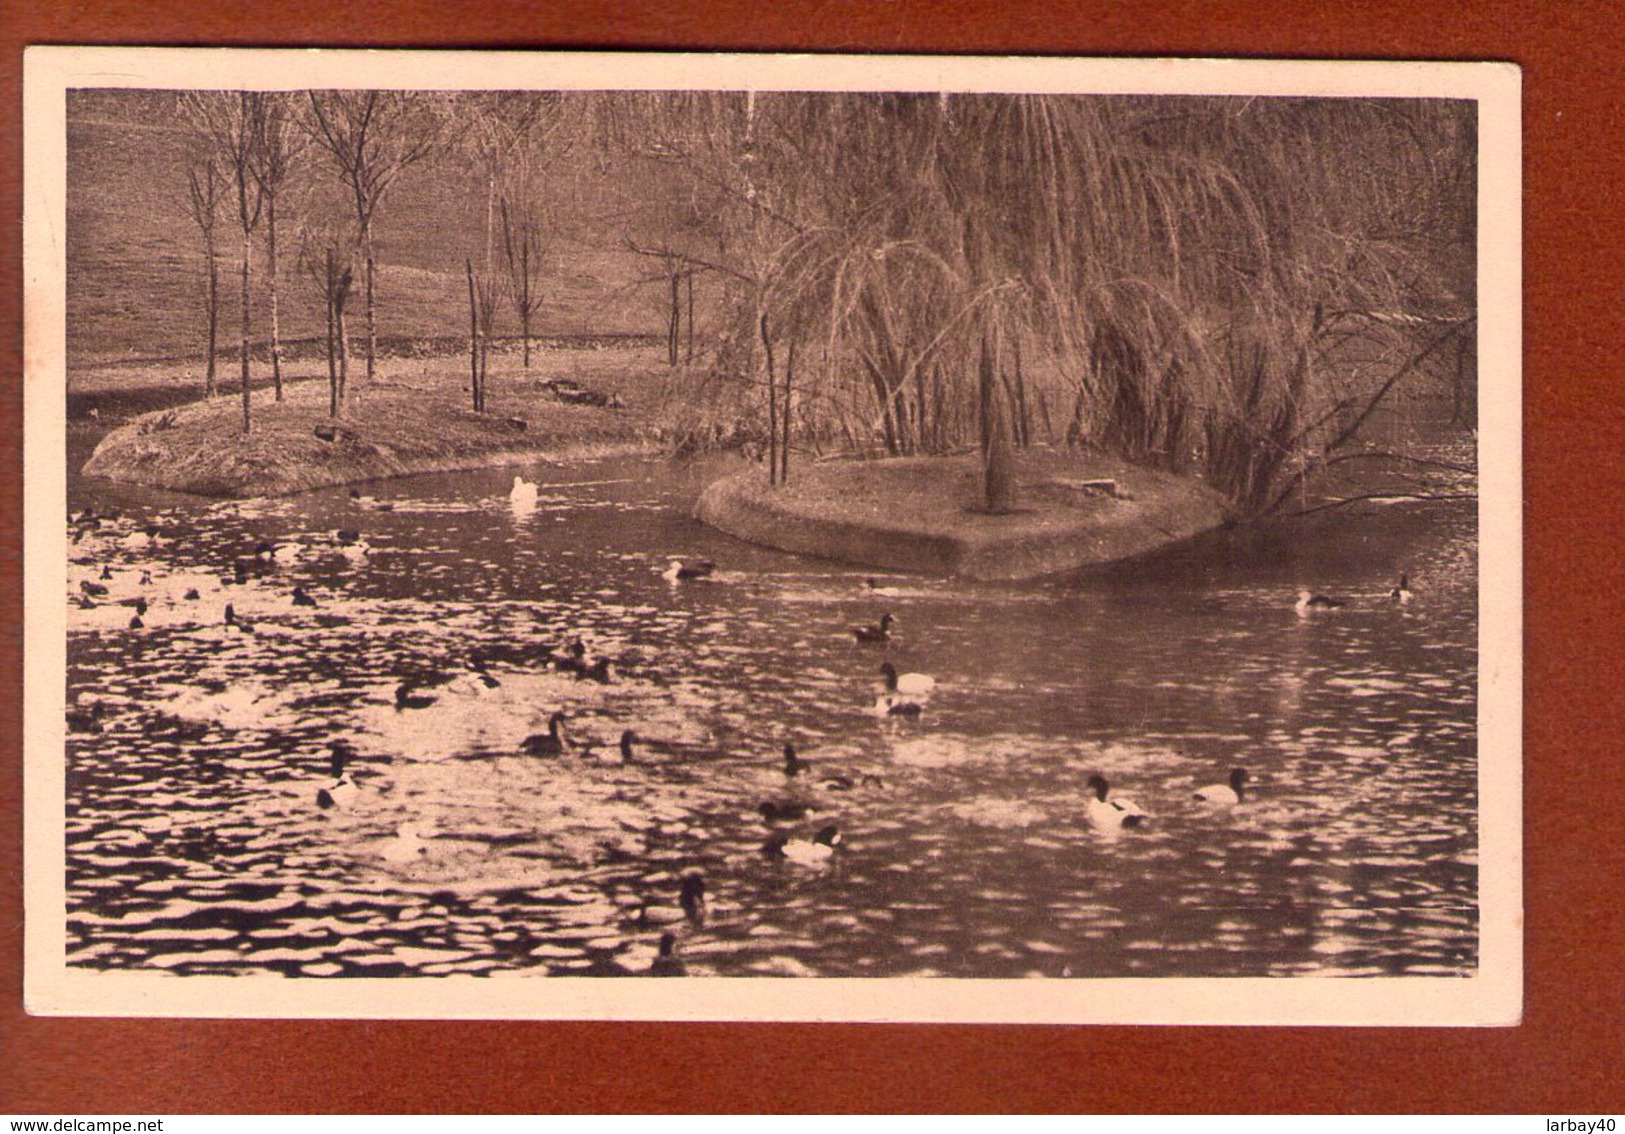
<point>865,538</point>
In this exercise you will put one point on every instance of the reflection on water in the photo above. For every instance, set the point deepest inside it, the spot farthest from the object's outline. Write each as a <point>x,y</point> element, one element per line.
<point>197,749</point>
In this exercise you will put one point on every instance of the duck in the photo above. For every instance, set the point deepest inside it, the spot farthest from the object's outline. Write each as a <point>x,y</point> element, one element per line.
<point>267,551</point>
<point>690,904</point>
<point>192,594</point>
<point>476,680</point>
<point>523,494</point>
<point>794,765</point>
<point>569,657</point>
<point>602,671</point>
<point>1112,814</point>
<point>787,811</point>
<point>351,545</point>
<point>897,705</point>
<point>136,623</point>
<point>369,503</point>
<point>668,963</point>
<point>1307,601</point>
<point>86,717</point>
<point>909,684</point>
<point>628,753</point>
<point>1402,593</point>
<point>554,742</point>
<point>880,632</point>
<point>803,850</point>
<point>849,783</point>
<point>94,590</point>
<point>405,698</point>
<point>300,598</point>
<point>677,569</point>
<point>1226,794</point>
<point>236,623</point>
<point>409,843</point>
<point>342,791</point>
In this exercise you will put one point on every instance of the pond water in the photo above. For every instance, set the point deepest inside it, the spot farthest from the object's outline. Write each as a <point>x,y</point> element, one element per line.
<point>197,750</point>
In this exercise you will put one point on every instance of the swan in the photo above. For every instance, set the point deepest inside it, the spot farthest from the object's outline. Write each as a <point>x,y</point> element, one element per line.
<point>909,684</point>
<point>1112,814</point>
<point>523,494</point>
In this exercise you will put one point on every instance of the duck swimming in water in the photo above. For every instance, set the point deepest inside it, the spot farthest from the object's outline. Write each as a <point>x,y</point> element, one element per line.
<point>877,634</point>
<point>910,684</point>
<point>678,569</point>
<point>804,851</point>
<point>1308,601</point>
<point>342,791</point>
<point>1112,814</point>
<point>794,765</point>
<point>1402,593</point>
<point>553,742</point>
<point>690,904</point>
<point>406,698</point>
<point>1227,794</point>
<point>898,705</point>
<point>668,963</point>
<point>300,598</point>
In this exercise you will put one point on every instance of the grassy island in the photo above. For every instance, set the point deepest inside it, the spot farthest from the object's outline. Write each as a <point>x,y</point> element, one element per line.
<point>414,419</point>
<point>922,513</point>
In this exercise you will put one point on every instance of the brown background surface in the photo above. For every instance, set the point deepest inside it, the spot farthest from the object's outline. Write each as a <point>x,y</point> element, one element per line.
<point>1567,1055</point>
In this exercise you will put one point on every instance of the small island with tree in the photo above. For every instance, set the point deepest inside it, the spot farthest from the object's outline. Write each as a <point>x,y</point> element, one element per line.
<point>990,334</point>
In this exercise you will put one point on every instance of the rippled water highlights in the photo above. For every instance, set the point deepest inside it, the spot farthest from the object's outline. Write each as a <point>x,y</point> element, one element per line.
<point>196,750</point>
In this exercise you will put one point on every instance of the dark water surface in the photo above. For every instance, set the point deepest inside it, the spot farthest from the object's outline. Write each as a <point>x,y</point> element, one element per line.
<point>195,844</point>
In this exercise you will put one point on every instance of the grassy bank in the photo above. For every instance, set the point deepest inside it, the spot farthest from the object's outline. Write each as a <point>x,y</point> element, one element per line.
<point>413,418</point>
<point>921,514</point>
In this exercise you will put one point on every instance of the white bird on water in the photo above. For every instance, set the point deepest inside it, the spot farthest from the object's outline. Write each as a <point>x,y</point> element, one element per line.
<point>523,493</point>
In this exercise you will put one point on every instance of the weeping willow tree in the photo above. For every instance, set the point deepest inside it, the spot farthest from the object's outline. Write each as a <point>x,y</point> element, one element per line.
<point>1224,286</point>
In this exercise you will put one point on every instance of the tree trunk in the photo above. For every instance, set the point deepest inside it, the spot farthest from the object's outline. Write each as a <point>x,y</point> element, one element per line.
<point>247,248</point>
<point>674,319</point>
<point>772,410</point>
<point>524,335</point>
<point>270,278</point>
<point>210,386</point>
<point>784,445</point>
<point>998,480</point>
<point>689,353</point>
<point>473,340</point>
<point>372,309</point>
<point>332,354</point>
<point>344,356</point>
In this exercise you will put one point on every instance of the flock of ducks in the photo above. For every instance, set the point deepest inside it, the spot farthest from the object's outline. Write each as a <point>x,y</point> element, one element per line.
<point>903,695</point>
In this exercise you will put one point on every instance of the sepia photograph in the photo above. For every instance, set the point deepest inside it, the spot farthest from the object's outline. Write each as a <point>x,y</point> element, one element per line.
<point>874,538</point>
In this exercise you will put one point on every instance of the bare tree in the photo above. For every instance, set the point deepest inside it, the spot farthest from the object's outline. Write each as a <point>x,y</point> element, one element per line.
<point>230,122</point>
<point>277,144</point>
<point>370,137</point>
<point>206,186</point>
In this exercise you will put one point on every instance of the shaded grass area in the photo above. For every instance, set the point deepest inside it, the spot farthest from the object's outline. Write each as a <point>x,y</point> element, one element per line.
<point>415,418</point>
<point>922,513</point>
